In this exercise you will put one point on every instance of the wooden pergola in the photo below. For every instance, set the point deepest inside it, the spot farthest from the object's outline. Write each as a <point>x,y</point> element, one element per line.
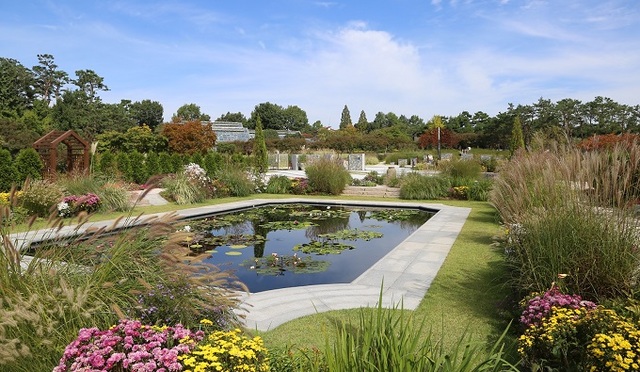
<point>77,152</point>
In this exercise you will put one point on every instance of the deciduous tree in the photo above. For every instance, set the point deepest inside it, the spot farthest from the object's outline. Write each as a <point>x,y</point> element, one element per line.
<point>189,137</point>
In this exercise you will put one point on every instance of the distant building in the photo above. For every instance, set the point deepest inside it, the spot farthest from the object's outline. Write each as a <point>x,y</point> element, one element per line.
<point>229,131</point>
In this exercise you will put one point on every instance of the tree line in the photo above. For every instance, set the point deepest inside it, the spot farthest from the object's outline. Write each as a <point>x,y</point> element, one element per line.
<point>35,100</point>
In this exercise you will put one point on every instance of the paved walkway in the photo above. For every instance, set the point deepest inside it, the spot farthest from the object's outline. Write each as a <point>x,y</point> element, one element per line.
<point>404,274</point>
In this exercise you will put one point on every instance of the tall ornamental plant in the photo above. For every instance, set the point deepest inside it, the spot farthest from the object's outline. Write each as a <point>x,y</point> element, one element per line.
<point>571,212</point>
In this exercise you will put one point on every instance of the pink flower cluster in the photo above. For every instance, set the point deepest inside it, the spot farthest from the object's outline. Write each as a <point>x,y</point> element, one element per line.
<point>128,346</point>
<point>539,306</point>
<point>73,204</point>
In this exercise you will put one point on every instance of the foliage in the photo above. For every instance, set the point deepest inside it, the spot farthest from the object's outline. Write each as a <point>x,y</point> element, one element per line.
<point>237,182</point>
<point>459,192</point>
<point>182,189</point>
<point>123,164</point>
<point>179,302</point>
<point>275,264</point>
<point>107,163</point>
<point>465,169</point>
<point>384,340</point>
<point>129,346</point>
<point>40,196</point>
<point>189,112</point>
<point>278,185</point>
<point>557,203</point>
<point>327,176</point>
<point>8,171</point>
<point>45,303</point>
<point>429,139</point>
<point>479,190</point>
<point>299,186</point>
<point>28,164</point>
<point>152,164</point>
<point>138,173</point>
<point>608,141</point>
<point>414,186</point>
<point>517,138</point>
<point>147,112</point>
<point>189,137</point>
<point>260,156</point>
<point>227,351</point>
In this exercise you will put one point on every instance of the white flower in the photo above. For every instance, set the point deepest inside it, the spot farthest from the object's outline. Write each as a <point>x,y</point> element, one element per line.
<point>187,228</point>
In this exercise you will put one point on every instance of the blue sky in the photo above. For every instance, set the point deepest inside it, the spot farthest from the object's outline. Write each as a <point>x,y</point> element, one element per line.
<point>410,57</point>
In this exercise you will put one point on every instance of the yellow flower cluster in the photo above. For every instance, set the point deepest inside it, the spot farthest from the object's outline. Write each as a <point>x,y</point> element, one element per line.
<point>554,330</point>
<point>599,339</point>
<point>227,351</point>
<point>5,196</point>
<point>617,350</point>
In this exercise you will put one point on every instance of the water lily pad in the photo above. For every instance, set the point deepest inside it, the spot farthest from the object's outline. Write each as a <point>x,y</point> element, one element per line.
<point>237,246</point>
<point>233,253</point>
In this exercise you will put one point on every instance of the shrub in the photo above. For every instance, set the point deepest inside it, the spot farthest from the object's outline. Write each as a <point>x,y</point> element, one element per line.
<point>237,181</point>
<point>40,197</point>
<point>212,163</point>
<point>182,190</point>
<point>166,164</point>
<point>138,173</point>
<point>463,169</point>
<point>327,176</point>
<point>479,190</point>
<point>123,164</point>
<point>28,165</point>
<point>279,185</point>
<point>128,346</point>
<point>415,186</point>
<point>153,164</point>
<point>459,192</point>
<point>374,177</point>
<point>7,171</point>
<point>107,163</point>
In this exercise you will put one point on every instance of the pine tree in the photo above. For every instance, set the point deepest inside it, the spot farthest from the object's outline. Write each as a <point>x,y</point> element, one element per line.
<point>345,119</point>
<point>260,156</point>
<point>363,124</point>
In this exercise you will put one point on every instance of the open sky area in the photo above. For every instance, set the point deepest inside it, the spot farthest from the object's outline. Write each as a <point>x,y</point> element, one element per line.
<point>409,57</point>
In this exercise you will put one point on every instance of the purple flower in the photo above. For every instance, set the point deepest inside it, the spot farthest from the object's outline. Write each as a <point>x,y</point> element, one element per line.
<point>539,307</point>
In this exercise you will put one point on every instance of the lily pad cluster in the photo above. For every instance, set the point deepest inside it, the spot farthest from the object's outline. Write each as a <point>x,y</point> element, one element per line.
<point>352,234</point>
<point>394,214</point>
<point>278,265</point>
<point>322,247</point>
<point>287,225</point>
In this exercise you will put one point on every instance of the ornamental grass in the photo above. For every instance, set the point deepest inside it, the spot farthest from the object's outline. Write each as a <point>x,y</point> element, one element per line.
<point>571,212</point>
<point>67,284</point>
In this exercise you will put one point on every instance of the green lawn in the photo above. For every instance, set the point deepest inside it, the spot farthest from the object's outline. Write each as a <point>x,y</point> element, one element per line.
<point>467,298</point>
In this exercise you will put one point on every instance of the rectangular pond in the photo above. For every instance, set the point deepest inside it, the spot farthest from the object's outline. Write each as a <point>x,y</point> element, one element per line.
<point>288,245</point>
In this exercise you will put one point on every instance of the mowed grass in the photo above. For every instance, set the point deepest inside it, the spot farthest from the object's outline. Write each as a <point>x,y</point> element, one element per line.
<point>467,299</point>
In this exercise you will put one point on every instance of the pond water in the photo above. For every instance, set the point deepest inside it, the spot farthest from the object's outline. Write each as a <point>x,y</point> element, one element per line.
<point>280,246</point>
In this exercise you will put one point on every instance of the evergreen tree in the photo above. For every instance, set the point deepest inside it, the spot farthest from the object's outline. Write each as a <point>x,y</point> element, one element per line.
<point>7,171</point>
<point>138,167</point>
<point>362,125</point>
<point>107,163</point>
<point>212,163</point>
<point>123,164</point>
<point>153,164</point>
<point>517,138</point>
<point>260,156</point>
<point>166,165</point>
<point>28,164</point>
<point>345,119</point>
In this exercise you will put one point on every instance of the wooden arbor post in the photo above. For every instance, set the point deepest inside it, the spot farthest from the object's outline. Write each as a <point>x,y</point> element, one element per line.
<point>77,152</point>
